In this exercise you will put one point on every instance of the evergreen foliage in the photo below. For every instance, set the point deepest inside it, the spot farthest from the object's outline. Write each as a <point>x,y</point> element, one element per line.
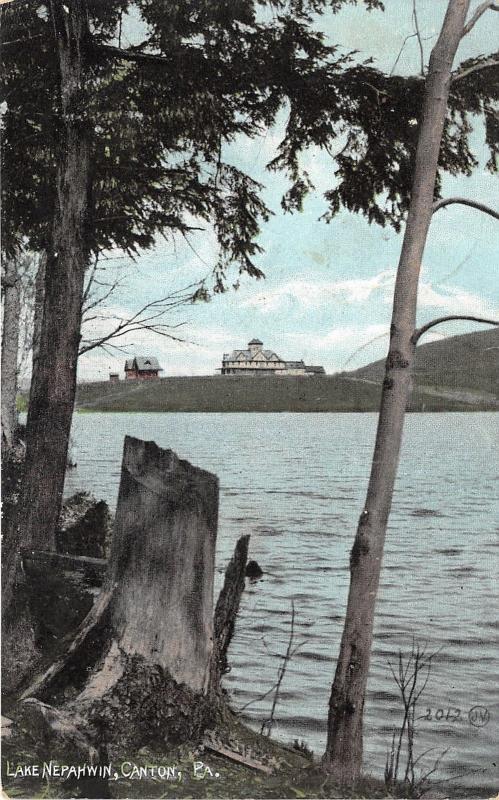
<point>206,72</point>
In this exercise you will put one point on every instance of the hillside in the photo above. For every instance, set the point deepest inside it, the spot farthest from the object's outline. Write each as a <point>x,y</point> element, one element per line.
<point>231,393</point>
<point>459,365</point>
<point>456,374</point>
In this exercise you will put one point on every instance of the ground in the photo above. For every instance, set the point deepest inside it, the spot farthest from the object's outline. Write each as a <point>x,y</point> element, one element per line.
<point>204,774</point>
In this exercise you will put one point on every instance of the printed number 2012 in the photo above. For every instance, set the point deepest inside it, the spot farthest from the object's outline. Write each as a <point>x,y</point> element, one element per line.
<point>447,714</point>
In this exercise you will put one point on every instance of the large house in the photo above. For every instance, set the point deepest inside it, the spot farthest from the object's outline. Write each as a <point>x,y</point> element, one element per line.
<point>142,368</point>
<point>257,361</point>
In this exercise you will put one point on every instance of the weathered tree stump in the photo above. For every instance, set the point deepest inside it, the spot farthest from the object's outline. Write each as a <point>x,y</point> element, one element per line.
<point>139,668</point>
<point>226,610</point>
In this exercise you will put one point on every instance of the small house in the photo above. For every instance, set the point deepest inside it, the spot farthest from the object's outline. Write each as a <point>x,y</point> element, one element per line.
<point>142,368</point>
<point>114,377</point>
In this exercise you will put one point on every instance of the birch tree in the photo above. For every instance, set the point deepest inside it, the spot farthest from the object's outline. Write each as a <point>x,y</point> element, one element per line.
<point>343,756</point>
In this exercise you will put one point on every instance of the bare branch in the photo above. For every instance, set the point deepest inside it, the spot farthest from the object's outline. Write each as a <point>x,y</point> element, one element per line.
<point>482,8</point>
<point>424,328</point>
<point>267,724</point>
<point>130,55</point>
<point>448,201</point>
<point>90,280</point>
<point>418,34</point>
<point>480,65</point>
<point>148,318</point>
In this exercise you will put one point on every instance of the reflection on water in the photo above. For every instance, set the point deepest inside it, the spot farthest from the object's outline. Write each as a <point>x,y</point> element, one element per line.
<point>296,483</point>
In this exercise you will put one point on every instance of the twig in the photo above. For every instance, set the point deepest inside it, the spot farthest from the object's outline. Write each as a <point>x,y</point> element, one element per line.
<point>267,725</point>
<point>408,680</point>
<point>418,34</point>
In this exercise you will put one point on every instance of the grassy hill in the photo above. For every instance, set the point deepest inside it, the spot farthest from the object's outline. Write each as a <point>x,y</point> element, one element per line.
<point>231,393</point>
<point>455,374</point>
<point>465,366</point>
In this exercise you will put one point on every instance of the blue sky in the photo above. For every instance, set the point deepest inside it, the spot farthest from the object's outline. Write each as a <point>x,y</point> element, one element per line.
<point>327,293</point>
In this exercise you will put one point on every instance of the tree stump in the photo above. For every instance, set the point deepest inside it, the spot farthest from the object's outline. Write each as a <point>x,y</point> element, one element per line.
<point>139,667</point>
<point>226,610</point>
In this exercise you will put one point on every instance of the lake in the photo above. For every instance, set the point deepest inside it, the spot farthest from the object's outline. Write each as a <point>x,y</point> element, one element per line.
<point>296,483</point>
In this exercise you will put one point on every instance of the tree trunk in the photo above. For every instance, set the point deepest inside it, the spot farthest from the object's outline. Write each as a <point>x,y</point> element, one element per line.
<point>343,756</point>
<point>142,659</point>
<point>38,309</point>
<point>10,346</point>
<point>54,371</point>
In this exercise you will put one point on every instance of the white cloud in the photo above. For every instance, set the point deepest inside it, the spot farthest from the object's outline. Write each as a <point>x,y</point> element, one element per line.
<point>313,294</point>
<point>343,347</point>
<point>454,300</point>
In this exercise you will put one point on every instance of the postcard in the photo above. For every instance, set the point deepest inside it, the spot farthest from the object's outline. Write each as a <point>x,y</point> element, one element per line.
<point>249,398</point>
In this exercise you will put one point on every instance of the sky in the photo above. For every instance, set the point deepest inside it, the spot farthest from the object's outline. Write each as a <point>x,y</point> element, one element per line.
<point>327,294</point>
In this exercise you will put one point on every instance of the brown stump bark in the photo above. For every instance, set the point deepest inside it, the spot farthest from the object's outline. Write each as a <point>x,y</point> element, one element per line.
<point>140,664</point>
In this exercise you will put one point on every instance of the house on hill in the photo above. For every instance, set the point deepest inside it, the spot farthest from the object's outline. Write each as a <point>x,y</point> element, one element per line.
<point>257,361</point>
<point>142,368</point>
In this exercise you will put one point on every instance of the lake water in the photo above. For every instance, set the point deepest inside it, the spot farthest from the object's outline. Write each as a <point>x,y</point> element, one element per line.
<point>296,483</point>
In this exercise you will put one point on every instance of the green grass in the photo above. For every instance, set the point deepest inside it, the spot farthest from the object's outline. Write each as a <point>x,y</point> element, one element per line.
<point>231,394</point>
<point>465,363</point>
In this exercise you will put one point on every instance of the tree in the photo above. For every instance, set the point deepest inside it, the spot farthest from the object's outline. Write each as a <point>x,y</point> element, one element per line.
<point>126,143</point>
<point>343,755</point>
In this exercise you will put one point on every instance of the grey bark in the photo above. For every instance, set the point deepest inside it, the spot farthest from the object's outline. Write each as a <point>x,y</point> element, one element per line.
<point>10,347</point>
<point>163,552</point>
<point>343,756</point>
<point>141,660</point>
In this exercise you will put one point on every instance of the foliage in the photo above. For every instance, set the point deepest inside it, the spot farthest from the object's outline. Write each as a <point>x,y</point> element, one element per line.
<point>207,71</point>
<point>371,119</point>
<point>158,125</point>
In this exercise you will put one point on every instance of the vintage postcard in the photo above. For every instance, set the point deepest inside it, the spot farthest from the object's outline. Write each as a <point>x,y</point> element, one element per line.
<point>249,398</point>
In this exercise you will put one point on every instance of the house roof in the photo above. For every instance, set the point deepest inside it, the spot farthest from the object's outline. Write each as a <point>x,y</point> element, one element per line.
<point>142,363</point>
<point>246,355</point>
<point>318,370</point>
<point>295,365</point>
<point>255,341</point>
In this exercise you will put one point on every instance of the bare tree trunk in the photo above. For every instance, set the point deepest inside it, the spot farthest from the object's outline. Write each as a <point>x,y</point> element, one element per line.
<point>54,374</point>
<point>343,756</point>
<point>141,661</point>
<point>10,346</point>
